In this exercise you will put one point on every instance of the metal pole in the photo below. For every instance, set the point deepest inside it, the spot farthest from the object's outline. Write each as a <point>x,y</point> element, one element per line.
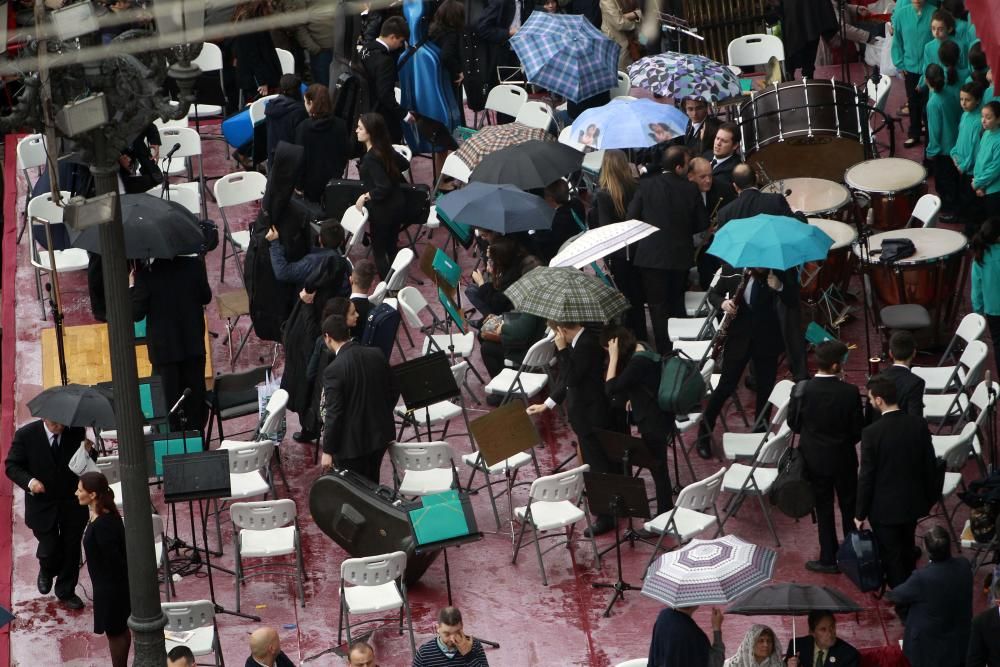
<point>147,620</point>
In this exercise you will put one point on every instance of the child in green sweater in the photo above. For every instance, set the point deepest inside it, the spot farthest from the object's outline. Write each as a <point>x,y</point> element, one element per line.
<point>943,116</point>
<point>911,28</point>
<point>986,174</point>
<point>963,153</point>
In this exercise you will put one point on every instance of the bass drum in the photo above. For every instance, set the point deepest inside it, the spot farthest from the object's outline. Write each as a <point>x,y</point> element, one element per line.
<point>805,128</point>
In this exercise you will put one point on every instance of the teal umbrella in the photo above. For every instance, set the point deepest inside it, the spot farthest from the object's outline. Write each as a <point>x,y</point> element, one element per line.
<point>769,242</point>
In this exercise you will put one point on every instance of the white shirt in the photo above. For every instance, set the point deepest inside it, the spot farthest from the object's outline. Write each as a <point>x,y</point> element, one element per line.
<point>379,40</point>
<point>516,21</point>
<point>357,295</point>
<point>716,160</point>
<point>549,403</point>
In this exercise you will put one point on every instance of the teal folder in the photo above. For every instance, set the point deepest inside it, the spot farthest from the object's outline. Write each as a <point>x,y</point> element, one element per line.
<point>140,329</point>
<point>446,267</point>
<point>441,517</point>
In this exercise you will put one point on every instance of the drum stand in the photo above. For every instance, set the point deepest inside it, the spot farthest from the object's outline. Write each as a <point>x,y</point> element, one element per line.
<point>864,231</point>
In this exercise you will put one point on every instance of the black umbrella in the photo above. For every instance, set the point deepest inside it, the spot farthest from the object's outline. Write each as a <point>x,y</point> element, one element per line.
<point>501,208</point>
<point>74,405</point>
<point>533,164</point>
<point>154,228</point>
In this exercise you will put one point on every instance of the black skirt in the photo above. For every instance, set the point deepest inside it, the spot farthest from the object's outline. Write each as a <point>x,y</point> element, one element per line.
<point>104,545</point>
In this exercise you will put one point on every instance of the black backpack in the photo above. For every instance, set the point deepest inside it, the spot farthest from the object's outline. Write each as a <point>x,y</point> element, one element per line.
<point>350,91</point>
<point>380,328</point>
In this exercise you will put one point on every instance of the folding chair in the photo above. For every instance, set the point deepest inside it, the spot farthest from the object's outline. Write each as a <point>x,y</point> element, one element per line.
<point>377,585</point>
<point>943,408</point>
<point>287,61</point>
<point>739,446</point>
<point>688,517</point>
<point>972,327</point>
<point>240,187</point>
<point>232,306</point>
<point>270,426</point>
<point>232,396</point>
<point>209,60</point>
<point>198,618</point>
<point>940,379</point>
<point>65,261</point>
<point>265,529</point>
<point>531,376</point>
<point>183,159</point>
<point>399,271</point>
<point>536,114</point>
<point>926,211</point>
<point>455,168</point>
<point>756,49</point>
<point>258,114</point>
<point>756,480</point>
<point>504,98</point>
<point>456,345</point>
<point>423,468</point>
<point>955,457</point>
<point>624,86</point>
<point>31,154</point>
<point>441,412</point>
<point>353,221</point>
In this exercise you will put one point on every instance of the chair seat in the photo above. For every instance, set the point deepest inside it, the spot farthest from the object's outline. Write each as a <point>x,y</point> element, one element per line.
<point>234,444</point>
<point>692,302</point>
<point>247,484</point>
<point>738,474</point>
<point>436,413</point>
<point>512,463</point>
<point>233,304</point>
<point>177,166</point>
<point>426,482</point>
<point>908,316</point>
<point>263,543</point>
<point>116,488</point>
<point>683,426</point>
<point>942,443</point>
<point>372,599</point>
<point>687,522</point>
<point>532,383</point>
<point>240,239</point>
<point>463,343</point>
<point>935,377</point>
<point>204,111</point>
<point>695,349</point>
<point>951,482</point>
<point>551,515</point>
<point>200,643</point>
<point>740,445</point>
<point>685,328</point>
<point>936,406</point>
<point>71,259</point>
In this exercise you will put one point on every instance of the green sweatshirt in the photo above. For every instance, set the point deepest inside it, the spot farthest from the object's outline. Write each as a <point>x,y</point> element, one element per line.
<point>986,283</point>
<point>944,113</point>
<point>986,175</point>
<point>965,34</point>
<point>970,128</point>
<point>931,57</point>
<point>911,32</point>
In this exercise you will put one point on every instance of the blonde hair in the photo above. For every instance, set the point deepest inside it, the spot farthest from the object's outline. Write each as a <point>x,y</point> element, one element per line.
<point>616,177</point>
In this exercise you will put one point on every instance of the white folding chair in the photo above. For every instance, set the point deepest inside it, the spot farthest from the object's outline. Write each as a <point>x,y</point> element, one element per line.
<point>530,377</point>
<point>624,86</point>
<point>554,502</point>
<point>376,585</point>
<point>972,327</point>
<point>949,406</point>
<point>353,221</point>
<point>688,517</point>
<point>188,198</point>
<point>399,271</point>
<point>955,457</point>
<point>162,555</point>
<point>109,466</point>
<point>939,379</point>
<point>235,189</point>
<point>249,475</point>
<point>198,618</point>
<point>287,61</point>
<point>183,159</point>
<point>878,92</point>
<point>209,60</point>
<point>423,468</point>
<point>755,480</point>
<point>453,167</point>
<point>693,328</point>
<point>926,211</point>
<point>756,49</point>
<point>271,426</point>
<point>407,154</point>
<point>266,529</point>
<point>69,260</point>
<point>739,446</point>
<point>455,345</point>
<point>535,114</point>
<point>504,98</point>
<point>31,154</point>
<point>378,294</point>
<point>258,108</point>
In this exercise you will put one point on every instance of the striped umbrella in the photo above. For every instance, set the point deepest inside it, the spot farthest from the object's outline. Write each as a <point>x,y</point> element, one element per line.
<point>684,75</point>
<point>497,137</point>
<point>566,55</point>
<point>708,572</point>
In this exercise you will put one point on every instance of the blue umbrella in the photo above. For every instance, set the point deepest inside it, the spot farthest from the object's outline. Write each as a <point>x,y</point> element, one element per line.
<point>628,124</point>
<point>769,242</point>
<point>566,55</point>
<point>500,208</point>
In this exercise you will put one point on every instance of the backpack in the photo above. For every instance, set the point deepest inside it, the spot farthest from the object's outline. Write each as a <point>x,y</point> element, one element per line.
<point>681,385</point>
<point>380,328</point>
<point>797,406</point>
<point>350,91</point>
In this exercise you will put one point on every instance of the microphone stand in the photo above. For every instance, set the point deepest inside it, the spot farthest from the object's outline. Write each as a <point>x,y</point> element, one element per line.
<point>864,250</point>
<point>991,427</point>
<point>165,186</point>
<point>55,302</point>
<point>845,67</point>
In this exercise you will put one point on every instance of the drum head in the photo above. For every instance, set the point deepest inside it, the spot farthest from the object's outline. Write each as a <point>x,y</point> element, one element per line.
<point>843,235</point>
<point>932,244</point>
<point>887,175</point>
<point>812,196</point>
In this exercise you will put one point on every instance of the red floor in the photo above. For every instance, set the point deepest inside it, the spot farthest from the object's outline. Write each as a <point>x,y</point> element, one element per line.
<point>561,624</point>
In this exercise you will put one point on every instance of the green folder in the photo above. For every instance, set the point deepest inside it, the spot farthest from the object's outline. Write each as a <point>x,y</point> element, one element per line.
<point>146,400</point>
<point>172,445</point>
<point>140,329</point>
<point>440,518</point>
<point>446,267</point>
<point>452,310</point>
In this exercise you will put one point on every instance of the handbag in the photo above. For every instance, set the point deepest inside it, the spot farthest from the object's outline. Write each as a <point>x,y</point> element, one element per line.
<point>792,493</point>
<point>858,558</point>
<point>81,461</point>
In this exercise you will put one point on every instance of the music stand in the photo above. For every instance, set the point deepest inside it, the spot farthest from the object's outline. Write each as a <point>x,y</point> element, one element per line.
<point>424,381</point>
<point>626,450</point>
<point>620,496</point>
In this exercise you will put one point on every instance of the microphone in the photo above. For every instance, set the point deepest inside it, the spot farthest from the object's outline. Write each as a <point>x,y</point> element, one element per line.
<point>184,396</point>
<point>173,150</point>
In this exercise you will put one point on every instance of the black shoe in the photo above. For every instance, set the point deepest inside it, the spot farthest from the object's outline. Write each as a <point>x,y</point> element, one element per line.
<point>494,400</point>
<point>305,436</point>
<point>704,446</point>
<point>822,568</point>
<point>911,142</point>
<point>72,602</point>
<point>599,527</point>
<point>44,583</point>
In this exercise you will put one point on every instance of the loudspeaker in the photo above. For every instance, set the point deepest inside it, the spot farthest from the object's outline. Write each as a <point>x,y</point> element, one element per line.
<point>197,476</point>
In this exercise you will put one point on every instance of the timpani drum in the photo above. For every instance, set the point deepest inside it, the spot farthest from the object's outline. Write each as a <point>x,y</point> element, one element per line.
<point>815,197</point>
<point>835,270</point>
<point>932,277</point>
<point>893,184</point>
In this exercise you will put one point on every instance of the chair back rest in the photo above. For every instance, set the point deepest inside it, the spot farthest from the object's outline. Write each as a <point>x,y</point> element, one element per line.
<point>927,209</point>
<point>400,270</point>
<point>264,514</point>
<point>240,187</point>
<point>707,369</point>
<point>184,616</point>
<point>353,221</point>
<point>110,467</point>
<point>210,58</point>
<point>455,167</point>
<point>973,358</point>
<point>755,49</point>
<point>373,570</point>
<point>780,395</point>
<point>539,355</point>
<point>158,530</point>
<point>412,297</point>
<point>31,152</point>
<point>624,86</point>
<point>287,61</point>
<point>275,410</point>
<point>535,114</point>
<point>378,295</point>
<point>957,455</point>
<point>775,446</point>
<point>187,137</point>
<point>972,327</point>
<point>982,398</point>
<point>239,382</point>
<point>403,150</point>
<point>258,107</point>
<point>701,495</point>
<point>459,371</point>
<point>251,457</point>
<point>189,198</point>
<point>506,99</point>
<point>566,485</point>
<point>43,207</point>
<point>422,455</point>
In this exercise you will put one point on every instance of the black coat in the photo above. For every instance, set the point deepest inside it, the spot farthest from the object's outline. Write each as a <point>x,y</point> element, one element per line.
<point>281,661</point>
<point>581,380</point>
<point>388,203</point>
<point>984,640</point>
<point>723,172</point>
<point>672,204</point>
<point>363,306</point>
<point>677,641</point>
<point>564,227</point>
<point>806,21</point>
<point>897,470</point>
<point>493,30</point>
<point>830,420</point>
<point>172,294</point>
<point>841,654</point>
<point>449,42</point>
<point>753,202</point>
<point>909,389</point>
<point>30,456</point>
<point>717,197</point>
<point>696,144</point>
<point>325,153</point>
<point>281,116</point>
<point>104,544</point>
<point>760,325</point>
<point>257,62</point>
<point>938,598</point>
<point>380,66</point>
<point>638,383</point>
<point>361,393</point>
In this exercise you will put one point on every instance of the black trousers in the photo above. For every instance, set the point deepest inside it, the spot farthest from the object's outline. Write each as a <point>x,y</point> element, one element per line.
<point>181,375</point>
<point>916,101</point>
<point>661,475</point>
<point>969,205</point>
<point>594,456</point>
<point>628,280</point>
<point>845,485</point>
<point>385,235</point>
<point>58,549</point>
<point>765,368</point>
<point>896,542</point>
<point>993,321</point>
<point>804,59</point>
<point>368,466</point>
<point>665,295</point>
<point>947,181</point>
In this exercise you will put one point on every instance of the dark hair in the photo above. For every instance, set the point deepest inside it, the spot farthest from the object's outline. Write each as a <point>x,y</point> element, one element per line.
<point>395,26</point>
<point>253,9</point>
<point>335,326</point>
<point>977,58</point>
<point>338,305</point>
<point>902,346</point>
<point>450,16</point>
<point>985,237</point>
<point>332,234</point>
<point>96,482</point>
<point>181,653</point>
<point>626,342</point>
<point>450,616</point>
<point>937,542</point>
<point>934,75</point>
<point>973,88</point>
<point>504,252</point>
<point>945,17</point>
<point>558,191</point>
<point>730,127</point>
<point>948,54</point>
<point>744,176</point>
<point>318,96</point>
<point>364,273</point>
<point>673,157</point>
<point>957,8</point>
<point>994,108</point>
<point>289,85</point>
<point>883,388</point>
<point>815,617</point>
<point>830,353</point>
<point>378,135</point>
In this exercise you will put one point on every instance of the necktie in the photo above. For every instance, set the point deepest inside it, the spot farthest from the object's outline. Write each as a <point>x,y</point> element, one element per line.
<point>690,132</point>
<point>820,657</point>
<point>754,292</point>
<point>55,446</point>
<point>715,162</point>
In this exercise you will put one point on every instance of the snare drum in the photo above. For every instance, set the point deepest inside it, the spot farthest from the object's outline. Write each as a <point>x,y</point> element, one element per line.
<point>932,277</point>
<point>817,277</point>
<point>894,185</point>
<point>815,197</point>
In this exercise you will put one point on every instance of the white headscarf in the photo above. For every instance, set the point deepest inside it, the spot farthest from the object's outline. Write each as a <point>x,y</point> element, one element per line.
<point>744,654</point>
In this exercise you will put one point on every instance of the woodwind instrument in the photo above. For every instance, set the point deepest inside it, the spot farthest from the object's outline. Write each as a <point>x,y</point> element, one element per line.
<point>709,233</point>
<point>719,341</point>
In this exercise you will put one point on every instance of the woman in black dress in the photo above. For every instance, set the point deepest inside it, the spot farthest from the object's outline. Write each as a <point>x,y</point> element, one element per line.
<point>104,546</point>
<point>323,138</point>
<point>381,170</point>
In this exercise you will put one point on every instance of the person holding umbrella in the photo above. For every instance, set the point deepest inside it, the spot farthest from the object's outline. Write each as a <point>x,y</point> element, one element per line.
<point>679,642</point>
<point>821,646</point>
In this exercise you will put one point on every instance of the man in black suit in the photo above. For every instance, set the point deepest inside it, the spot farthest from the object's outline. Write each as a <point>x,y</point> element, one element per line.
<point>754,334</point>
<point>826,412</point>
<point>984,638</point>
<point>581,381</point>
<point>379,62</point>
<point>713,196</point>
<point>38,462</point>
<point>723,155</point>
<point>822,639</point>
<point>172,294</point>
<point>896,480</point>
<point>699,135</point>
<point>496,25</point>
<point>749,200</point>
<point>362,278</point>
<point>909,385</point>
<point>672,203</point>
<point>360,392</point>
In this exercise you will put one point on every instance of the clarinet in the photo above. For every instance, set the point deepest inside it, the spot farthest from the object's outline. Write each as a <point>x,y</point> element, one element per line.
<point>709,233</point>
<point>727,319</point>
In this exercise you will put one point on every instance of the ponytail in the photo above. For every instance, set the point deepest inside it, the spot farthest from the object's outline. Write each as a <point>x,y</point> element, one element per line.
<point>97,483</point>
<point>948,54</point>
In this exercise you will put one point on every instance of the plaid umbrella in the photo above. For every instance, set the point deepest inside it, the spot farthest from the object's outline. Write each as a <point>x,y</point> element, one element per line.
<point>628,124</point>
<point>683,75</point>
<point>566,295</point>
<point>708,572</point>
<point>566,55</point>
<point>496,137</point>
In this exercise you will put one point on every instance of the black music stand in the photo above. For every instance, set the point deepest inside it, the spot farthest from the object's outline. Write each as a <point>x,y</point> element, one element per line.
<point>627,450</point>
<point>620,496</point>
<point>198,477</point>
<point>424,381</point>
